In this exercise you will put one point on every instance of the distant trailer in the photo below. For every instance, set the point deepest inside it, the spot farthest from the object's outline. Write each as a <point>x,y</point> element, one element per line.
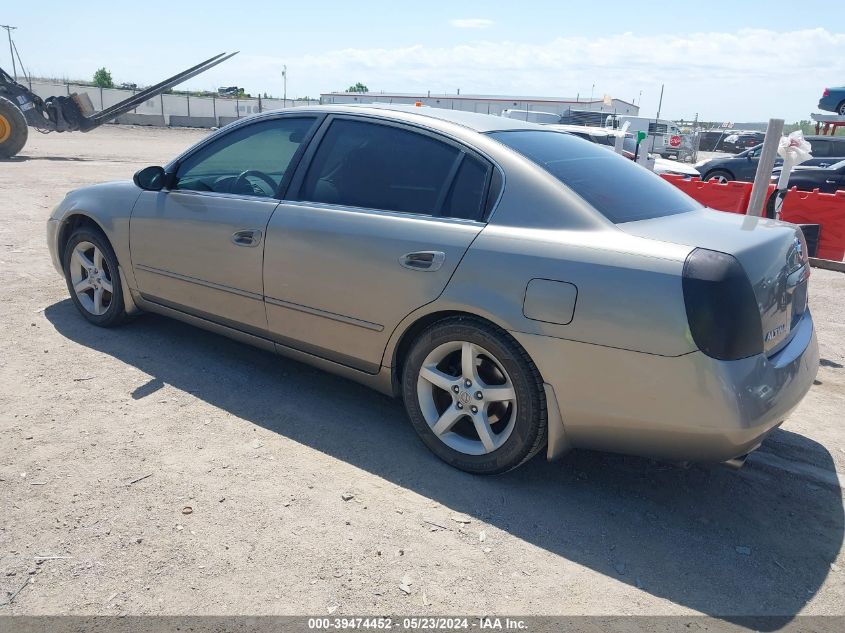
<point>828,123</point>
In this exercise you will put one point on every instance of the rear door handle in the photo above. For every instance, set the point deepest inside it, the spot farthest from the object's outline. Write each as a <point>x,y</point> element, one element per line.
<point>247,237</point>
<point>428,261</point>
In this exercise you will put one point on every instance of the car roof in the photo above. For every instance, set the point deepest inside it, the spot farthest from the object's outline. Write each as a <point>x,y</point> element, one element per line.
<point>472,120</point>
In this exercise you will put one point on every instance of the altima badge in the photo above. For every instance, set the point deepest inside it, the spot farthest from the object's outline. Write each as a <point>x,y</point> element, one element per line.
<point>773,334</point>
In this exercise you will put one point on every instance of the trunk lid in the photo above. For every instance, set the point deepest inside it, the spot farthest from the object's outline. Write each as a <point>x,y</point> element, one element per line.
<point>773,255</point>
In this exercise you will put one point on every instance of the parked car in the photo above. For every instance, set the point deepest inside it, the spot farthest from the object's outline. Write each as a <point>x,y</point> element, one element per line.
<point>534,116</point>
<point>833,100</point>
<point>741,141</point>
<point>826,151</point>
<point>519,288</point>
<point>826,179</point>
<point>663,137</point>
<point>607,138</point>
<point>711,140</point>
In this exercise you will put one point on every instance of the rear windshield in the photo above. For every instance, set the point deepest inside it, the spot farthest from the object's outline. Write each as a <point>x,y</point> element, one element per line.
<point>615,186</point>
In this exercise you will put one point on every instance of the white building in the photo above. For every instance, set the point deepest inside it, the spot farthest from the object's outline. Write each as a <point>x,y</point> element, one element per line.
<point>487,104</point>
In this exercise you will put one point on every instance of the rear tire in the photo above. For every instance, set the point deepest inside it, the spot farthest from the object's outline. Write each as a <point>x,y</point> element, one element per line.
<point>840,109</point>
<point>13,129</point>
<point>719,175</point>
<point>485,418</point>
<point>93,277</point>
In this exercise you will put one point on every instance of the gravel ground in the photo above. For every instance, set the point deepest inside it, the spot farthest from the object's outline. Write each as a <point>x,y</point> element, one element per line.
<point>160,469</point>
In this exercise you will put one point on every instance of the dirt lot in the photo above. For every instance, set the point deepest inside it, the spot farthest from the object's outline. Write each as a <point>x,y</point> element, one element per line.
<point>107,436</point>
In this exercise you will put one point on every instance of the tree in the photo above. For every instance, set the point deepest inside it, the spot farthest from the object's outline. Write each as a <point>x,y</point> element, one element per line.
<point>358,87</point>
<point>102,79</point>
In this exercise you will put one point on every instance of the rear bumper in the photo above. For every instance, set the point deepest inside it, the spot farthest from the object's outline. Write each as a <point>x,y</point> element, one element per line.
<point>689,407</point>
<point>829,103</point>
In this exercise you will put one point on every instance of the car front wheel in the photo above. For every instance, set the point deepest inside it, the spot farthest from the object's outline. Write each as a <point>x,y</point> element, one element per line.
<point>474,396</point>
<point>719,175</point>
<point>92,276</point>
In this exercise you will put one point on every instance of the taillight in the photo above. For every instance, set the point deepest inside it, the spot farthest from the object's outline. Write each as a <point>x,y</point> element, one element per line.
<point>722,311</point>
<point>826,92</point>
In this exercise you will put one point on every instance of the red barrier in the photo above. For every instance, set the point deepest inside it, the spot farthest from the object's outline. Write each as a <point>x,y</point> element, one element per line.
<point>827,209</point>
<point>728,196</point>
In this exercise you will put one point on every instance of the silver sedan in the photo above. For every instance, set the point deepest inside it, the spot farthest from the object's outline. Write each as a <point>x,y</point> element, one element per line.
<point>521,289</point>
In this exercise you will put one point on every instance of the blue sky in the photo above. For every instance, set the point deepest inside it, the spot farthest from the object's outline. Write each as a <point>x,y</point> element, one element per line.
<point>736,61</point>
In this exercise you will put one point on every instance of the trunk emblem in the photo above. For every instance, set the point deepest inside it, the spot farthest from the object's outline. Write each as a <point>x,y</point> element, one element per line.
<point>773,334</point>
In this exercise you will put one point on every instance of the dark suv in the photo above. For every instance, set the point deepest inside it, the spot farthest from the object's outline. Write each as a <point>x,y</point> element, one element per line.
<point>826,151</point>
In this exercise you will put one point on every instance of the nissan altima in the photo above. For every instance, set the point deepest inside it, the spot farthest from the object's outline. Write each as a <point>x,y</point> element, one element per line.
<point>520,289</point>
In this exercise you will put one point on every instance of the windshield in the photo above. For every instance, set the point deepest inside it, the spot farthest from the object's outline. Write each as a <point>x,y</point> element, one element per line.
<point>619,189</point>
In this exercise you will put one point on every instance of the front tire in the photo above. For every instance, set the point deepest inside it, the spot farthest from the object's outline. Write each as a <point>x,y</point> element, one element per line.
<point>13,129</point>
<point>93,277</point>
<point>719,175</point>
<point>474,396</point>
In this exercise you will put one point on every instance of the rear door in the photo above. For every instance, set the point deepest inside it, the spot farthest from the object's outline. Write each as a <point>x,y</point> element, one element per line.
<point>199,246</point>
<point>379,216</point>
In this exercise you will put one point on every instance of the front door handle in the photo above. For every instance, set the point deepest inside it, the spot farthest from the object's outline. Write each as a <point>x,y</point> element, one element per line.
<point>428,261</point>
<point>247,237</point>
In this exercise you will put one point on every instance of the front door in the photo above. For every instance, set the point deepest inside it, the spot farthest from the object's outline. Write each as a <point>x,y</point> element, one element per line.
<point>378,224</point>
<point>199,246</point>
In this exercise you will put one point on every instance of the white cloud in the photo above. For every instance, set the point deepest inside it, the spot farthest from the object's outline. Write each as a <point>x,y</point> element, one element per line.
<point>739,76</point>
<point>471,23</point>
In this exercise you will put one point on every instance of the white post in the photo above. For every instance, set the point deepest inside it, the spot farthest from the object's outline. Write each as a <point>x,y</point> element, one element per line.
<point>757,203</point>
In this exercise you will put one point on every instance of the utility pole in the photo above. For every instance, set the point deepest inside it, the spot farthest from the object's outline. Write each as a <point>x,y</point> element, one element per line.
<point>660,103</point>
<point>9,30</point>
<point>285,77</point>
<point>659,107</point>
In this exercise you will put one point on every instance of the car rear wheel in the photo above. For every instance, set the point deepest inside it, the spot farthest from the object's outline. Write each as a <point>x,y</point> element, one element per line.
<point>92,276</point>
<point>841,109</point>
<point>719,175</point>
<point>474,396</point>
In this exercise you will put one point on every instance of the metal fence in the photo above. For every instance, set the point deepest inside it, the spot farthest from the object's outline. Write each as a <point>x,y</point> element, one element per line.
<point>178,110</point>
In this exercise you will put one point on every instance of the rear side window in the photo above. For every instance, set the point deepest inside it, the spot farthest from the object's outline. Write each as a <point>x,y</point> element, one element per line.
<point>821,149</point>
<point>467,192</point>
<point>618,188</point>
<point>374,166</point>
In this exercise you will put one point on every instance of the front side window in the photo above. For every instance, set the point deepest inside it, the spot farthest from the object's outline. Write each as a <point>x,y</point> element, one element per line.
<point>375,166</point>
<point>616,187</point>
<point>250,160</point>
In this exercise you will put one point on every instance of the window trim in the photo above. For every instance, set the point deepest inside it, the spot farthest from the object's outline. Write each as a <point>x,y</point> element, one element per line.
<point>293,194</point>
<point>174,166</point>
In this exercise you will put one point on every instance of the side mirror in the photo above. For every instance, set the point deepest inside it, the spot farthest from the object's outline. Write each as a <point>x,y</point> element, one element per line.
<point>150,178</point>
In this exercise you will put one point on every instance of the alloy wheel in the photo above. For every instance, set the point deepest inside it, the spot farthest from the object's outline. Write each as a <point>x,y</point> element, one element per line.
<point>467,398</point>
<point>91,278</point>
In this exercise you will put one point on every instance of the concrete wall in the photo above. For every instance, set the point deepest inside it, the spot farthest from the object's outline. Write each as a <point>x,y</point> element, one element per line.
<point>170,109</point>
